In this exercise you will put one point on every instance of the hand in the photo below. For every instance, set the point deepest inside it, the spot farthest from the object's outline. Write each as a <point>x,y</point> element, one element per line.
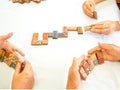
<point>73,75</point>
<point>5,44</point>
<point>110,51</point>
<point>88,7</point>
<point>23,79</point>
<point>105,27</point>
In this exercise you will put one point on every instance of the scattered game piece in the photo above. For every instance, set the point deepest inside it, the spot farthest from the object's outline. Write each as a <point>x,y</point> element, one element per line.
<point>82,72</point>
<point>88,28</point>
<point>35,40</point>
<point>50,34</point>
<point>79,30</point>
<point>65,31</point>
<point>95,14</point>
<point>55,34</point>
<point>86,66</point>
<point>99,56</point>
<point>71,28</point>
<point>44,42</point>
<point>91,60</point>
<point>45,36</point>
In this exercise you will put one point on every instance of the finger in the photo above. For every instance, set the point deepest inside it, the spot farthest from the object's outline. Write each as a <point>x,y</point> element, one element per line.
<point>17,69</point>
<point>87,11</point>
<point>91,51</point>
<point>7,36</point>
<point>27,67</point>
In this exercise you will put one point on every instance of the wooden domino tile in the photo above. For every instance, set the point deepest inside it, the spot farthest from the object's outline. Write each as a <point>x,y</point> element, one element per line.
<point>65,31</point>
<point>99,56</point>
<point>91,61</point>
<point>50,35</point>
<point>45,36</point>
<point>44,42</point>
<point>95,15</point>
<point>35,40</point>
<point>80,31</point>
<point>71,28</point>
<point>87,28</point>
<point>86,66</point>
<point>61,35</point>
<point>82,72</point>
<point>55,34</point>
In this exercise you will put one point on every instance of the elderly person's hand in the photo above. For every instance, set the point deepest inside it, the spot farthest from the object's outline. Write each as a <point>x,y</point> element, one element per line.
<point>74,75</point>
<point>105,27</point>
<point>5,44</point>
<point>89,7</point>
<point>23,79</point>
<point>110,51</point>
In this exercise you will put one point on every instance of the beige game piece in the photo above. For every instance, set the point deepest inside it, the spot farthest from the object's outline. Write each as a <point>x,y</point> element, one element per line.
<point>44,42</point>
<point>35,40</point>
<point>90,60</point>
<point>82,72</point>
<point>71,28</point>
<point>65,31</point>
<point>99,56</point>
<point>95,15</point>
<point>37,1</point>
<point>87,28</point>
<point>14,1</point>
<point>79,30</point>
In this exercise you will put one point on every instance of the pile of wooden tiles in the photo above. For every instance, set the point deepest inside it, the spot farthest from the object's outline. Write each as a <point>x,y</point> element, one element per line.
<point>87,66</point>
<point>9,58</point>
<point>56,35</point>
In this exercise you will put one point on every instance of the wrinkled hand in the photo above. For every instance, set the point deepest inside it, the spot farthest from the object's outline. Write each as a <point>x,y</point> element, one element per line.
<point>105,27</point>
<point>88,7</point>
<point>110,51</point>
<point>23,79</point>
<point>5,44</point>
<point>73,75</point>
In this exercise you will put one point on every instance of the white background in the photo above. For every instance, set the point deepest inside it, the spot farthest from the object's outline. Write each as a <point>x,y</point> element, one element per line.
<point>51,63</point>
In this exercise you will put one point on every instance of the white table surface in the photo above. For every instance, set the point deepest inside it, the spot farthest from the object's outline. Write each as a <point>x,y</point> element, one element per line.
<point>51,63</point>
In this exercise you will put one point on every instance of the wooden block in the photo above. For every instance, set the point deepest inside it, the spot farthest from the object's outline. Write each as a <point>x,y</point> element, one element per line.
<point>95,15</point>
<point>79,30</point>
<point>82,72</point>
<point>88,28</point>
<point>45,36</point>
<point>65,31</point>
<point>91,60</point>
<point>86,66</point>
<point>95,62</point>
<point>99,56</point>
<point>21,1</point>
<point>37,1</point>
<point>27,1</point>
<point>50,34</point>
<point>44,42</point>
<point>71,28</point>
<point>35,40</point>
<point>55,34</point>
<point>14,1</point>
<point>61,35</point>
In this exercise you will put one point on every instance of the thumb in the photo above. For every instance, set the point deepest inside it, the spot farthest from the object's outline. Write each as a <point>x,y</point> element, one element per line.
<point>7,36</point>
<point>17,69</point>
